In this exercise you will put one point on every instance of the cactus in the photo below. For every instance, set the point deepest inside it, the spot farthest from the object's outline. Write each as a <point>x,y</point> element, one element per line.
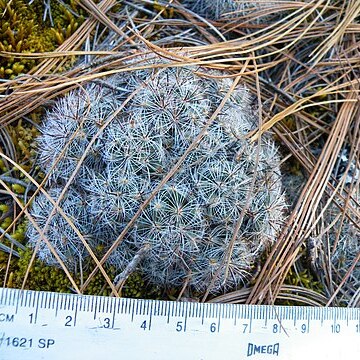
<point>70,126</point>
<point>344,241</point>
<point>345,254</point>
<point>217,9</point>
<point>189,225</point>
<point>62,237</point>
<point>336,250</point>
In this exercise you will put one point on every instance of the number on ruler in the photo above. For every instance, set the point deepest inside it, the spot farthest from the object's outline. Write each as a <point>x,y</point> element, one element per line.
<point>106,323</point>
<point>213,327</point>
<point>335,329</point>
<point>180,326</point>
<point>69,321</point>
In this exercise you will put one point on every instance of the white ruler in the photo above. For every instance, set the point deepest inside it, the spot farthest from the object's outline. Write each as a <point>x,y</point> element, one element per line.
<point>44,325</point>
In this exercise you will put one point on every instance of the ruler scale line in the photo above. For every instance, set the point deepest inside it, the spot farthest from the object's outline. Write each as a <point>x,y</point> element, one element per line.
<point>44,325</point>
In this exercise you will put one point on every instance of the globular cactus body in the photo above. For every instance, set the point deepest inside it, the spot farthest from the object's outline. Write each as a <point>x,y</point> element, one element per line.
<point>217,9</point>
<point>344,241</point>
<point>188,227</point>
<point>57,230</point>
<point>335,251</point>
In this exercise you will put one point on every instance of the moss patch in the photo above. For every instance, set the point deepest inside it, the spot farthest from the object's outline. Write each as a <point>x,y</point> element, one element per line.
<point>22,30</point>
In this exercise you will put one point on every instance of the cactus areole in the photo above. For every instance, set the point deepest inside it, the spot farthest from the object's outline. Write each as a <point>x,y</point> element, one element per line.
<point>122,152</point>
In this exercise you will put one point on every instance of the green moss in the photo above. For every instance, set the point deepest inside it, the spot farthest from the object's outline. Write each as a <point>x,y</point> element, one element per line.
<point>6,223</point>
<point>23,136</point>
<point>41,277</point>
<point>22,30</point>
<point>136,287</point>
<point>303,279</point>
<point>47,278</point>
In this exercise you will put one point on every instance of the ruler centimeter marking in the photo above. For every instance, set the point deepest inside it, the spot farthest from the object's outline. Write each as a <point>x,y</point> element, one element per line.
<point>45,325</point>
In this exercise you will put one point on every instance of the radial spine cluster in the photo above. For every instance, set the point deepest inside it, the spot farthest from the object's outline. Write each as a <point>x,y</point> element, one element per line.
<point>217,9</point>
<point>344,244</point>
<point>189,225</point>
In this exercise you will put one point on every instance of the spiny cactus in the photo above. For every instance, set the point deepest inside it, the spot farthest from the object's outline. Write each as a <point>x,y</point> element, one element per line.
<point>216,9</point>
<point>70,126</point>
<point>344,241</point>
<point>62,237</point>
<point>345,254</point>
<point>188,228</point>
